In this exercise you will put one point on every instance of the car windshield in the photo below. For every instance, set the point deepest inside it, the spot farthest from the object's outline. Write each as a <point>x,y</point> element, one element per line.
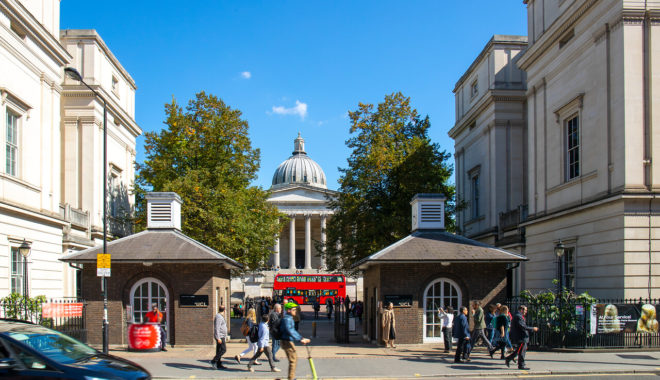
<point>52,344</point>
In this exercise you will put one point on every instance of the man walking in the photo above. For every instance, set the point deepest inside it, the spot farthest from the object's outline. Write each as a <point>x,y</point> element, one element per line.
<point>447,318</point>
<point>462,333</point>
<point>274,320</point>
<point>288,335</point>
<point>520,335</point>
<point>220,336</point>
<point>479,326</point>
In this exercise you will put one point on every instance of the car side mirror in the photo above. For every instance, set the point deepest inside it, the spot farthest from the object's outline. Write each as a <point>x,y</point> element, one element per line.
<point>7,363</point>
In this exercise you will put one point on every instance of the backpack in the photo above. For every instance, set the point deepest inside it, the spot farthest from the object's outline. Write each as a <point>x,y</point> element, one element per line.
<point>275,329</point>
<point>254,333</point>
<point>245,328</point>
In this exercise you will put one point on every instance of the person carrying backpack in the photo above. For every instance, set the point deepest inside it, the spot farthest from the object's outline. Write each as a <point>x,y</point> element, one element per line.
<point>262,343</point>
<point>274,320</point>
<point>247,329</point>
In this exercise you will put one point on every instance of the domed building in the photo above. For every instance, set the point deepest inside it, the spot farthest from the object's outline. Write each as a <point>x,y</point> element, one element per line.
<point>300,191</point>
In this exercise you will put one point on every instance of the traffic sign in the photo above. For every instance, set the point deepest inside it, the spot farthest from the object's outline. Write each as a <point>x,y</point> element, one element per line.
<point>103,265</point>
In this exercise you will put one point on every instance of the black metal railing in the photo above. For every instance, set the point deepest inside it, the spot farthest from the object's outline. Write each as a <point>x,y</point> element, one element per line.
<point>66,315</point>
<point>613,323</point>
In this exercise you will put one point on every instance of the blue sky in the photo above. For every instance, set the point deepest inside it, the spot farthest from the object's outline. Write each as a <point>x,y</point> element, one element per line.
<point>297,66</point>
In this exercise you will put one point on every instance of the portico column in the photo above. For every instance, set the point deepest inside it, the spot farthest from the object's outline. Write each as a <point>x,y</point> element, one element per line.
<point>276,250</point>
<point>308,242</point>
<point>292,242</point>
<point>323,240</point>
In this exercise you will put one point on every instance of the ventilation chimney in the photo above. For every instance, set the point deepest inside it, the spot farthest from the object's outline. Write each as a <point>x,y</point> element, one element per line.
<point>428,212</point>
<point>163,211</point>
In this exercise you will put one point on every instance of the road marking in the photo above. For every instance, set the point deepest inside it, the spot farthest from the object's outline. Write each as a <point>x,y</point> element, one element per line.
<point>418,375</point>
<point>587,374</point>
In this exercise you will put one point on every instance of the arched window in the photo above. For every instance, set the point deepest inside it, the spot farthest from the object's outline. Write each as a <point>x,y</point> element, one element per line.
<point>442,292</point>
<point>146,292</point>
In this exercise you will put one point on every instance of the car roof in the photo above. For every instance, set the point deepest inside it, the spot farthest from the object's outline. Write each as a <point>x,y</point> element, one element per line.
<point>18,325</point>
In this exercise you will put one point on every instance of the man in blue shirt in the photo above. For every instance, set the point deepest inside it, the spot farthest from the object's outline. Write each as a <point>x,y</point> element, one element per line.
<point>288,335</point>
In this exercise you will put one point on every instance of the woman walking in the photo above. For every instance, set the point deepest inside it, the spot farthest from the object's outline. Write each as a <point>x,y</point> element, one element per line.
<point>388,323</point>
<point>250,320</point>
<point>502,323</point>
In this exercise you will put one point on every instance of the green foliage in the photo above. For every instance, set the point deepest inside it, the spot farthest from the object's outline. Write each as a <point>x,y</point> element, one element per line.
<point>392,159</point>
<point>557,313</point>
<point>18,306</point>
<point>205,155</point>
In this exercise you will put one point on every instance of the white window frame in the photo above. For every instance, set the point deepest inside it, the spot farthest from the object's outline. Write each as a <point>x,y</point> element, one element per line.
<point>20,266</point>
<point>10,103</point>
<point>474,174</point>
<point>12,145</point>
<point>566,264</point>
<point>565,113</point>
<point>166,314</point>
<point>474,88</point>
<point>459,294</point>
<point>571,173</point>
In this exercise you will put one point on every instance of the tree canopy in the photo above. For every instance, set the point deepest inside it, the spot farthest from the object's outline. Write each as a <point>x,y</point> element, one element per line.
<point>392,159</point>
<point>204,154</point>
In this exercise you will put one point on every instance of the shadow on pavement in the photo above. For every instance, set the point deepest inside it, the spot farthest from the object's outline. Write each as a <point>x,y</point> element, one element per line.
<point>189,366</point>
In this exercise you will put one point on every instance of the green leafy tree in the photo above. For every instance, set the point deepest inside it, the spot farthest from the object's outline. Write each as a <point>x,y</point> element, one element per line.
<point>392,159</point>
<point>204,154</point>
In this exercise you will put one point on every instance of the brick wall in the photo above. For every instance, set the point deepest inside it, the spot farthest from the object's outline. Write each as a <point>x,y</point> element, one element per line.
<point>477,281</point>
<point>187,326</point>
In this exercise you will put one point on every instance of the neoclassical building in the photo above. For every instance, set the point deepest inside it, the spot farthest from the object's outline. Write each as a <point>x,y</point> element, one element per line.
<point>300,191</point>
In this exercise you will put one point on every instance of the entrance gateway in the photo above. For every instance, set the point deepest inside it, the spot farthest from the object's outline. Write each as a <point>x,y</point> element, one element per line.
<point>145,293</point>
<point>439,294</point>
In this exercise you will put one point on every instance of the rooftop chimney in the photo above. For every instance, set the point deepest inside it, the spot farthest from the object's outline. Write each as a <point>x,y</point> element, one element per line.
<point>428,212</point>
<point>163,211</point>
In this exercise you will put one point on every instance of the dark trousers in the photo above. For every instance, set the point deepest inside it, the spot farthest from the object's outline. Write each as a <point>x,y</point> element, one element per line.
<point>479,334</point>
<point>163,339</point>
<point>462,349</point>
<point>220,349</point>
<point>269,356</point>
<point>446,334</point>
<point>520,350</point>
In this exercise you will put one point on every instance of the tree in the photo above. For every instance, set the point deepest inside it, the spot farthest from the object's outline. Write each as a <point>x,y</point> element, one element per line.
<point>204,154</point>
<point>392,160</point>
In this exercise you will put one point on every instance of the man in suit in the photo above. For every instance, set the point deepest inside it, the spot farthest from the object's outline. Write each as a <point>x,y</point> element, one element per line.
<point>461,331</point>
<point>519,334</point>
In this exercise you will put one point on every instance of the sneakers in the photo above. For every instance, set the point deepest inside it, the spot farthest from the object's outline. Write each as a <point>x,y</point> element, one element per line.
<point>238,359</point>
<point>275,369</point>
<point>214,364</point>
<point>257,363</point>
<point>523,368</point>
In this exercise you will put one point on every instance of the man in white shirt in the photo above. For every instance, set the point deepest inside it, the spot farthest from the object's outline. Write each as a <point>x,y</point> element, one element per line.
<point>447,318</point>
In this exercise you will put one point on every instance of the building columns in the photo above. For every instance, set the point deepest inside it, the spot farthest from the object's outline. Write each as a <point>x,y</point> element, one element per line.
<point>308,242</point>
<point>276,256</point>
<point>292,242</point>
<point>323,240</point>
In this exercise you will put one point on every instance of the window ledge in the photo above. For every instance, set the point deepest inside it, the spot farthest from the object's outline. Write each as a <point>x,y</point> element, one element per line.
<point>475,220</point>
<point>583,178</point>
<point>19,182</point>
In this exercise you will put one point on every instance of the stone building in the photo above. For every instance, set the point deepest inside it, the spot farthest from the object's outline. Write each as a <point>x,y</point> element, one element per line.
<point>159,265</point>
<point>299,190</point>
<point>587,171</point>
<point>429,269</point>
<point>50,155</point>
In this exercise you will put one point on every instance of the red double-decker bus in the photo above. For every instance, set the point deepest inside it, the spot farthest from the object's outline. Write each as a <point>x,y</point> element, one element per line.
<point>306,288</point>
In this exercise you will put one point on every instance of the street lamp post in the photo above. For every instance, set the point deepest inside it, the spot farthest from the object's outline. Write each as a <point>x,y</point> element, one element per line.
<point>24,250</point>
<point>559,251</point>
<point>75,75</point>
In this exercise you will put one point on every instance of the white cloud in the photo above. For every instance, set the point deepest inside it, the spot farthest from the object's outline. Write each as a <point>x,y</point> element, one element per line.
<point>246,75</point>
<point>299,109</point>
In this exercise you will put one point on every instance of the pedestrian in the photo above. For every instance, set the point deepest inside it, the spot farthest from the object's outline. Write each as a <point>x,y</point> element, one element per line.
<point>328,307</point>
<point>289,335</point>
<point>249,321</point>
<point>388,323</point>
<point>488,318</point>
<point>317,308</point>
<point>263,308</point>
<point>220,336</point>
<point>479,327</point>
<point>298,316</point>
<point>501,332</point>
<point>520,336</point>
<point>274,320</point>
<point>461,331</point>
<point>262,346</point>
<point>155,316</point>
<point>447,318</point>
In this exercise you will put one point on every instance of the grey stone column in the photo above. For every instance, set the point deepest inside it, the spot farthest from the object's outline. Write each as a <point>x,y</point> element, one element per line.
<point>276,250</point>
<point>323,241</point>
<point>292,242</point>
<point>308,242</point>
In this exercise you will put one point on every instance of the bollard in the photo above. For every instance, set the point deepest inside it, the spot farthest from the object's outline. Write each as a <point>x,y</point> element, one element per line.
<point>314,329</point>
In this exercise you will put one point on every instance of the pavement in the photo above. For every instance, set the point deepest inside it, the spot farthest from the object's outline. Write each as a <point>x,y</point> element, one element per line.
<point>357,360</point>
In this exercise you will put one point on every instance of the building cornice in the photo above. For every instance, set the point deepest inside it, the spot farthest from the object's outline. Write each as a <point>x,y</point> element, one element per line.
<point>555,32</point>
<point>92,34</point>
<point>41,215</point>
<point>42,37</point>
<point>489,98</point>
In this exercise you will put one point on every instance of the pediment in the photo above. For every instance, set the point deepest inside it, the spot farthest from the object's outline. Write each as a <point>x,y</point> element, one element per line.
<point>299,194</point>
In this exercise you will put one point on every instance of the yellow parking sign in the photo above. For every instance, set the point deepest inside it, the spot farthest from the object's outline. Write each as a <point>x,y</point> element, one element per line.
<point>103,265</point>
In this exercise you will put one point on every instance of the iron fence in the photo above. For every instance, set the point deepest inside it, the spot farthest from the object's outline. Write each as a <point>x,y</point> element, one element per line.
<point>613,323</point>
<point>66,315</point>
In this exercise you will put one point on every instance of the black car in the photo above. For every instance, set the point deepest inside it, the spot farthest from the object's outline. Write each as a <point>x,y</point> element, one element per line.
<point>29,351</point>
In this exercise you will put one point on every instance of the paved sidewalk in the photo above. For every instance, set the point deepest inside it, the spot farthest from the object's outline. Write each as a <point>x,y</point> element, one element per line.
<point>409,361</point>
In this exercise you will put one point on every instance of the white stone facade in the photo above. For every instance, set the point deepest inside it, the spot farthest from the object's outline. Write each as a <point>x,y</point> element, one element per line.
<point>36,201</point>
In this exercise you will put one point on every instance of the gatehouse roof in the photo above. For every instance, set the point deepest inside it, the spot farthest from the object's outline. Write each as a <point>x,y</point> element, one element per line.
<point>437,246</point>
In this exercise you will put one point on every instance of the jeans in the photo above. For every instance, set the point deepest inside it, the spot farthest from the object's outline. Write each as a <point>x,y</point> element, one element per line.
<point>276,347</point>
